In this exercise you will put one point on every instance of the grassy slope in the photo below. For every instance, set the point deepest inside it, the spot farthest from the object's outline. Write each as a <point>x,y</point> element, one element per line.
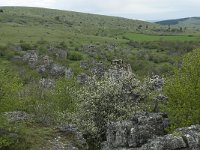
<point>32,24</point>
<point>146,37</point>
<point>76,29</point>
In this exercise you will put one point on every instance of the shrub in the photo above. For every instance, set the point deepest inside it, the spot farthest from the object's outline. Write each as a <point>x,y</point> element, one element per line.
<point>102,101</point>
<point>183,91</point>
<point>76,56</point>
<point>25,46</point>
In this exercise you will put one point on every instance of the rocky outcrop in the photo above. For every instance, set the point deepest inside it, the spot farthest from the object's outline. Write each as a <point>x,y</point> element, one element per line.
<point>31,57</point>
<point>44,64</point>
<point>57,70</point>
<point>98,70</point>
<point>46,83</point>
<point>84,64</point>
<point>187,138</point>
<point>58,53</point>
<point>136,132</point>
<point>146,132</point>
<point>17,58</point>
<point>68,73</point>
<point>17,116</point>
<point>168,142</point>
<point>69,138</point>
<point>83,78</point>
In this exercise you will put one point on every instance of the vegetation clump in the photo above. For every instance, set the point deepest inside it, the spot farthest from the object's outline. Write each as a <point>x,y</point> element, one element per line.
<point>183,91</point>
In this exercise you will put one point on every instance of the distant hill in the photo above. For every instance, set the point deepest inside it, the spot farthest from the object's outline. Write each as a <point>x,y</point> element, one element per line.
<point>32,24</point>
<point>187,22</point>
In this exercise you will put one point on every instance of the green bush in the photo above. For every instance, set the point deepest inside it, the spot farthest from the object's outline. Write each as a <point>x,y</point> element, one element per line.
<point>183,91</point>
<point>76,56</point>
<point>25,46</point>
<point>4,142</point>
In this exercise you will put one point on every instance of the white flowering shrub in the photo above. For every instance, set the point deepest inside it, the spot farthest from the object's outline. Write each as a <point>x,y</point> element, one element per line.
<point>110,99</point>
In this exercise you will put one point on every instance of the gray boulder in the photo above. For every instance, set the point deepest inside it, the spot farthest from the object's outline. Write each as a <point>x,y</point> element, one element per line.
<point>191,136</point>
<point>84,64</point>
<point>156,82</point>
<point>15,116</point>
<point>17,58</point>
<point>98,70</point>
<point>187,138</point>
<point>168,142</point>
<point>46,83</point>
<point>58,53</point>
<point>68,73</point>
<point>42,69</point>
<point>83,78</point>
<point>31,57</point>
<point>135,132</point>
<point>57,70</point>
<point>72,131</point>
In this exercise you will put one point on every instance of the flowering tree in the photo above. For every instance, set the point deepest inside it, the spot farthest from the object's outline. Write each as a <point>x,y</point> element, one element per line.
<point>111,99</point>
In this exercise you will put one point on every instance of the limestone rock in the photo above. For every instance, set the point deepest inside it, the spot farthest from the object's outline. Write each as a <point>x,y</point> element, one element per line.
<point>72,131</point>
<point>84,64</point>
<point>168,142</point>
<point>135,132</point>
<point>46,83</point>
<point>83,78</point>
<point>31,57</point>
<point>191,135</point>
<point>58,52</point>
<point>57,70</point>
<point>68,73</point>
<point>98,69</point>
<point>17,58</point>
<point>17,116</point>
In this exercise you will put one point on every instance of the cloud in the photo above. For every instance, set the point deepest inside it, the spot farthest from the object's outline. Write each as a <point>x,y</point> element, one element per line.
<point>139,9</point>
<point>35,3</point>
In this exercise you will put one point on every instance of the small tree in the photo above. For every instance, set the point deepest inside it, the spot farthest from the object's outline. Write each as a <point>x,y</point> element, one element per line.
<point>183,91</point>
<point>110,99</point>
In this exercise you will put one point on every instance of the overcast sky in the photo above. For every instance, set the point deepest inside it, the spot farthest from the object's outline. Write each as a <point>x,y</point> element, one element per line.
<point>134,9</point>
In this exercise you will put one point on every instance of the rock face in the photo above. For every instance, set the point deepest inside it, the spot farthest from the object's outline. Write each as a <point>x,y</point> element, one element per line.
<point>136,132</point>
<point>146,132</point>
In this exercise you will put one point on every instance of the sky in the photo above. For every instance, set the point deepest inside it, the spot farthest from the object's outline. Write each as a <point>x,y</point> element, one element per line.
<point>134,9</point>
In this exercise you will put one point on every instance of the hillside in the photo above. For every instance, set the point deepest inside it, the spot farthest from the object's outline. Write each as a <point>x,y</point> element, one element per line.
<point>192,22</point>
<point>64,75</point>
<point>90,36</point>
<point>31,24</point>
